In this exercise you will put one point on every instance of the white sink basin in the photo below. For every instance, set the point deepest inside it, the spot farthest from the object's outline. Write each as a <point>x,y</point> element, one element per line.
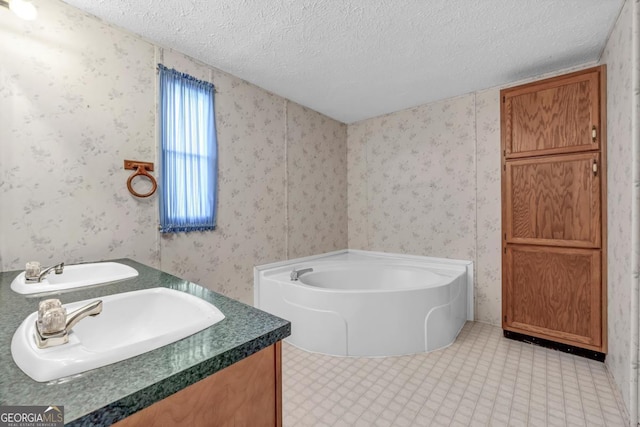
<point>130,324</point>
<point>75,276</point>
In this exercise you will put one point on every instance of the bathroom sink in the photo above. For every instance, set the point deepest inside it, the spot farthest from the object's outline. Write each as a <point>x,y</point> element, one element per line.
<point>75,276</point>
<point>130,324</point>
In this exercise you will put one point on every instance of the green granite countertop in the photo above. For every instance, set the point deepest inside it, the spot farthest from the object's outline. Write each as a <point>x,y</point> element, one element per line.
<point>108,394</point>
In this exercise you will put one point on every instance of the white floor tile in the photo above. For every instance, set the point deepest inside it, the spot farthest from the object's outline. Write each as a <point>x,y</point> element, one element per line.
<point>482,379</point>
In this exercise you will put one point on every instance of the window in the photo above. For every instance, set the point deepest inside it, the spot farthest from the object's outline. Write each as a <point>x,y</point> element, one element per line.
<point>188,153</point>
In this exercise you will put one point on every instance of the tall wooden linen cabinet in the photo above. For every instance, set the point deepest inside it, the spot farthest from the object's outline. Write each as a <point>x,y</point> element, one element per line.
<point>554,209</point>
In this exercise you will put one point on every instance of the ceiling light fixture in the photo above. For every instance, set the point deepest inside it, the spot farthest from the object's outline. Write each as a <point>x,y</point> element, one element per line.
<point>22,8</point>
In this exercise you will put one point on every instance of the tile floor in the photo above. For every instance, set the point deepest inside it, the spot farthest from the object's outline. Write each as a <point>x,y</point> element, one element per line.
<point>482,379</point>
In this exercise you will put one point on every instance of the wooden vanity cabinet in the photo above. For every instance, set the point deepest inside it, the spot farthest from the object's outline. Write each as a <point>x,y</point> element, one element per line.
<point>554,209</point>
<point>247,393</point>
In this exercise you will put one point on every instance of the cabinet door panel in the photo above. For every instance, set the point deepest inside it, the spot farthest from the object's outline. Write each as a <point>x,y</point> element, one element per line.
<point>554,201</point>
<point>558,117</point>
<point>247,393</point>
<point>554,292</point>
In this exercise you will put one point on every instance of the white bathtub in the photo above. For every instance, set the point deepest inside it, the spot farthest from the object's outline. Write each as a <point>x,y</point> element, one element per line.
<point>359,303</point>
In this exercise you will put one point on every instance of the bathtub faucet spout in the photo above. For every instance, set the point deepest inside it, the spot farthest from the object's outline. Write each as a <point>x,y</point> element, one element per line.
<point>295,274</point>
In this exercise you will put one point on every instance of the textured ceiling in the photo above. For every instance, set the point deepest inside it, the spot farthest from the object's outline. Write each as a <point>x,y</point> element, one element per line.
<point>356,59</point>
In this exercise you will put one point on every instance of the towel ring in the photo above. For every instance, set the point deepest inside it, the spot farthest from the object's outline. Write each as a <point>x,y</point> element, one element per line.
<point>141,168</point>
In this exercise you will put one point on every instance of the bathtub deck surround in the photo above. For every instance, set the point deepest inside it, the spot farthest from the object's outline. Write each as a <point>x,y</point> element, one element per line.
<point>361,303</point>
<point>109,394</point>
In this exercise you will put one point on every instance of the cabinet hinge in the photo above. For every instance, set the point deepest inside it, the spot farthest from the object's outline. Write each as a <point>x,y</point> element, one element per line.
<point>505,250</point>
<point>504,152</point>
<point>594,167</point>
<point>594,133</point>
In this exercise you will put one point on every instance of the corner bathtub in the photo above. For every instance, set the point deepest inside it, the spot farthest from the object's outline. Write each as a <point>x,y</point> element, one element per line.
<point>359,303</point>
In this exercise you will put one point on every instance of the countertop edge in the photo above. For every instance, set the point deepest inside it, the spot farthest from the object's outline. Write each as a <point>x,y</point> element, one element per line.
<point>146,397</point>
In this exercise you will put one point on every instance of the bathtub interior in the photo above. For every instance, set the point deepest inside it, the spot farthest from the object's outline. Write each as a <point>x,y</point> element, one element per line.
<point>410,264</point>
<point>372,276</point>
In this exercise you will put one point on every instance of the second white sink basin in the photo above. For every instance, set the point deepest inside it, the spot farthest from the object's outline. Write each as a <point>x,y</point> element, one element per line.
<point>75,276</point>
<point>130,324</point>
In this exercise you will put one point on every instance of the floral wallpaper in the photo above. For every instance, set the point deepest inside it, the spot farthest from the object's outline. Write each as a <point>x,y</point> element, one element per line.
<point>412,181</point>
<point>316,182</point>
<point>77,99</point>
<point>80,97</point>
<point>488,209</point>
<point>251,193</point>
<point>635,212</point>
<point>617,56</point>
<point>358,134</point>
<point>268,206</point>
<point>421,181</point>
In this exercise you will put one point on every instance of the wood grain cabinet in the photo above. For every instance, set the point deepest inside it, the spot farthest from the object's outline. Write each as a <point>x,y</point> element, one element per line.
<point>555,293</point>
<point>554,209</point>
<point>245,394</point>
<point>553,116</point>
<point>554,200</point>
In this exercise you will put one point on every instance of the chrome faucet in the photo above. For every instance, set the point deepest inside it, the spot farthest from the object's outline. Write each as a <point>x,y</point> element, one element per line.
<point>35,275</point>
<point>54,324</point>
<point>295,274</point>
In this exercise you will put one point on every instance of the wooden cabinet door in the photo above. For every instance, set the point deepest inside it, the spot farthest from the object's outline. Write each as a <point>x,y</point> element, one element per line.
<point>554,293</point>
<point>554,244</point>
<point>562,115</point>
<point>245,394</point>
<point>554,200</point>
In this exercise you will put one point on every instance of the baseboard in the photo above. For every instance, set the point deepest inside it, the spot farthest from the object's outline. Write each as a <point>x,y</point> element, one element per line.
<point>566,348</point>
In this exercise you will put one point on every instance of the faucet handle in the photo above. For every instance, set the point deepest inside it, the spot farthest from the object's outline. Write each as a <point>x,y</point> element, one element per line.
<point>52,316</point>
<point>54,324</point>
<point>46,305</point>
<point>32,269</point>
